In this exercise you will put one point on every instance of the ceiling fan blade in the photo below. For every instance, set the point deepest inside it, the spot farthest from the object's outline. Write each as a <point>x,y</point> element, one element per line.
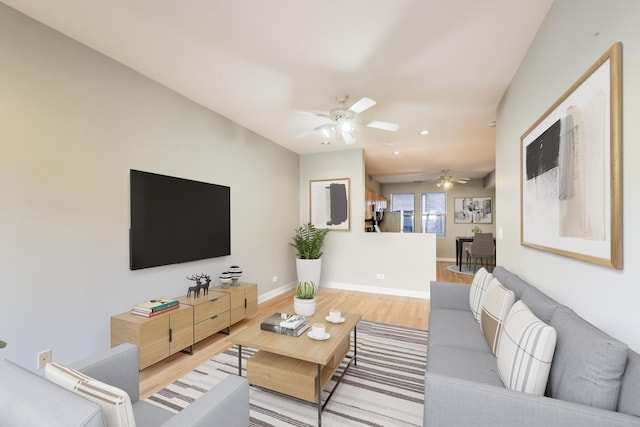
<point>459,181</point>
<point>312,131</point>
<point>362,105</point>
<point>392,127</point>
<point>348,138</point>
<point>313,113</point>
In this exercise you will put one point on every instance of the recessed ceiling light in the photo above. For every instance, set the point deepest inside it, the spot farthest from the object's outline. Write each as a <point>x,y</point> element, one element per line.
<point>491,123</point>
<point>424,132</point>
<point>325,142</point>
<point>395,153</point>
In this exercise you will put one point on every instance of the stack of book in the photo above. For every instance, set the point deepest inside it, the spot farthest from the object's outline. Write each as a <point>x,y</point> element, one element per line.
<point>155,307</point>
<point>286,324</point>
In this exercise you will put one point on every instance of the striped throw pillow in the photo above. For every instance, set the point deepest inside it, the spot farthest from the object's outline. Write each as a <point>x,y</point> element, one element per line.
<point>116,404</point>
<point>478,288</point>
<point>495,306</point>
<point>525,352</point>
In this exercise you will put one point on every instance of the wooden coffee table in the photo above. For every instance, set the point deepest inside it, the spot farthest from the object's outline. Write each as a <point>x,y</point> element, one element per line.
<point>299,367</point>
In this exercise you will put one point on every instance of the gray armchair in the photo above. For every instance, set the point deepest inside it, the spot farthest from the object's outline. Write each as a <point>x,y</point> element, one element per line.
<point>27,399</point>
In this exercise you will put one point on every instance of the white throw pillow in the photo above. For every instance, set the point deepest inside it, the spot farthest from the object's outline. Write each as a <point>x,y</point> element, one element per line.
<point>526,350</point>
<point>496,304</point>
<point>478,288</point>
<point>116,404</point>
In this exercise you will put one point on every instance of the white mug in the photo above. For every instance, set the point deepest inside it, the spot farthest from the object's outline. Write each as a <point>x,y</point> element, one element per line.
<point>318,330</point>
<point>335,315</point>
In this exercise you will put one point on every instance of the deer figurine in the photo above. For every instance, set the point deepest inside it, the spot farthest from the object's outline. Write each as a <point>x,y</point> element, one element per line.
<point>205,286</point>
<point>195,290</point>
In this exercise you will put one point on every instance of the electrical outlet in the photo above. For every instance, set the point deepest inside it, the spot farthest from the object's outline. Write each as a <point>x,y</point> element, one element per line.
<point>274,279</point>
<point>44,357</point>
<point>380,276</point>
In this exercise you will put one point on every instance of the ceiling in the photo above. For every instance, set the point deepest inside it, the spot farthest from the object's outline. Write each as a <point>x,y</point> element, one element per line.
<point>441,65</point>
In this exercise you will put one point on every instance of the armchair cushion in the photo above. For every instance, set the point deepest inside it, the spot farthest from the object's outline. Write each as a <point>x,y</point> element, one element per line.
<point>115,403</point>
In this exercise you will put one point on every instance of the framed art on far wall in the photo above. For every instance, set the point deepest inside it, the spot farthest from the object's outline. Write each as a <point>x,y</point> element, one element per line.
<point>473,210</point>
<point>329,203</point>
<point>571,173</point>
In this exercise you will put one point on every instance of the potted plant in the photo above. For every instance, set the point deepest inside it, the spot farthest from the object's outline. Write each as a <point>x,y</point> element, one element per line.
<point>476,229</point>
<point>308,242</point>
<point>304,300</point>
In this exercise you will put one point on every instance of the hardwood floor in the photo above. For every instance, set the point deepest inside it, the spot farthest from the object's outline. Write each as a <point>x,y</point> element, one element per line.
<point>404,311</point>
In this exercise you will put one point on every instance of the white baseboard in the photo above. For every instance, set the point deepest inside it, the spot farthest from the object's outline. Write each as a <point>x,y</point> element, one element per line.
<point>349,287</point>
<point>274,293</point>
<point>446,259</point>
<point>376,290</point>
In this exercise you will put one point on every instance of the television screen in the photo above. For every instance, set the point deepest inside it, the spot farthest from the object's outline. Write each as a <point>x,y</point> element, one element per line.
<point>176,220</point>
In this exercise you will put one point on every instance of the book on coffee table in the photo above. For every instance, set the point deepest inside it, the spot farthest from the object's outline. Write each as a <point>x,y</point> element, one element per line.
<point>286,324</point>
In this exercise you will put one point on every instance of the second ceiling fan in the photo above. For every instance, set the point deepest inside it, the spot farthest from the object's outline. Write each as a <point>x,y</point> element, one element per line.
<point>446,181</point>
<point>343,121</point>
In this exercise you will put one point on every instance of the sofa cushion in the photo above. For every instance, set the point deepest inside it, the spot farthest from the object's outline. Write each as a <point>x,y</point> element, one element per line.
<point>470,365</point>
<point>115,403</point>
<point>629,402</point>
<point>479,286</point>
<point>495,306</point>
<point>526,350</point>
<point>588,364</point>
<point>510,281</point>
<point>539,303</point>
<point>455,328</point>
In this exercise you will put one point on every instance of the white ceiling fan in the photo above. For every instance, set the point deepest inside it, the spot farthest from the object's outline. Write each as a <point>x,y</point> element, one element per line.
<point>343,121</point>
<point>446,181</point>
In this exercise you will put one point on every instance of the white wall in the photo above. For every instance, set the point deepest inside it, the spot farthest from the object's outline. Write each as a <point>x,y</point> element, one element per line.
<point>353,259</point>
<point>573,36</point>
<point>73,123</point>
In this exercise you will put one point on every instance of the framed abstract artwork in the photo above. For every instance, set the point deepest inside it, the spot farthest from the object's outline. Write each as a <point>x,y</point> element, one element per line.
<point>571,169</point>
<point>329,203</point>
<point>473,210</point>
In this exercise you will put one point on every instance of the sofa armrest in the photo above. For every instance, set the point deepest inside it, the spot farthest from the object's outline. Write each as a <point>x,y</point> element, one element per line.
<point>117,366</point>
<point>447,295</point>
<point>226,404</point>
<point>29,400</point>
<point>452,401</point>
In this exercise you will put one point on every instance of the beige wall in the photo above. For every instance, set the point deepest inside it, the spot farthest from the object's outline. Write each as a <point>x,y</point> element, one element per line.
<point>73,123</point>
<point>446,246</point>
<point>572,37</point>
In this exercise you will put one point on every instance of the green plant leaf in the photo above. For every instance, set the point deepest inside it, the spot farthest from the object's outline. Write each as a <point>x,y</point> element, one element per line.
<point>308,241</point>
<point>306,290</point>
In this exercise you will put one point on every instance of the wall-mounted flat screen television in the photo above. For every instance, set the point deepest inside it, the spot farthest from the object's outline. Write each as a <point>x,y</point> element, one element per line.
<point>176,220</point>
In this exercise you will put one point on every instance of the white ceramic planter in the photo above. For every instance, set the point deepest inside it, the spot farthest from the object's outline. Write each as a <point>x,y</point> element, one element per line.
<point>309,270</point>
<point>304,307</point>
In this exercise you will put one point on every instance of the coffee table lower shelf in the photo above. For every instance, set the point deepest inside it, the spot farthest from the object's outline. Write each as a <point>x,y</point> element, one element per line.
<point>296,378</point>
<point>293,377</point>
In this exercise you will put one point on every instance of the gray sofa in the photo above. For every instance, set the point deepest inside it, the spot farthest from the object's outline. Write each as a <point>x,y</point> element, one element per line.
<point>27,399</point>
<point>590,370</point>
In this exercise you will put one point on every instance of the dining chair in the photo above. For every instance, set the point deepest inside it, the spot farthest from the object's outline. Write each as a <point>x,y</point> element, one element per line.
<point>483,248</point>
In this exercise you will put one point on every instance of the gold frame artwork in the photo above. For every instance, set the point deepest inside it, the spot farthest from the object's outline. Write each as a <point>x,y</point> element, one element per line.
<point>571,169</point>
<point>329,203</point>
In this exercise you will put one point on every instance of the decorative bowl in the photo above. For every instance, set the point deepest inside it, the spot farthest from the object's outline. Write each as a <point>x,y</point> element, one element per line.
<point>235,271</point>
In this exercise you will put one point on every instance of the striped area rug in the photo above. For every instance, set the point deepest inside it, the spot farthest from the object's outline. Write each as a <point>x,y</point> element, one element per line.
<point>386,388</point>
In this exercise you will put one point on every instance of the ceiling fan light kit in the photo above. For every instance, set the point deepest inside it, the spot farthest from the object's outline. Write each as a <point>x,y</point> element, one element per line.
<point>343,121</point>
<point>446,181</point>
